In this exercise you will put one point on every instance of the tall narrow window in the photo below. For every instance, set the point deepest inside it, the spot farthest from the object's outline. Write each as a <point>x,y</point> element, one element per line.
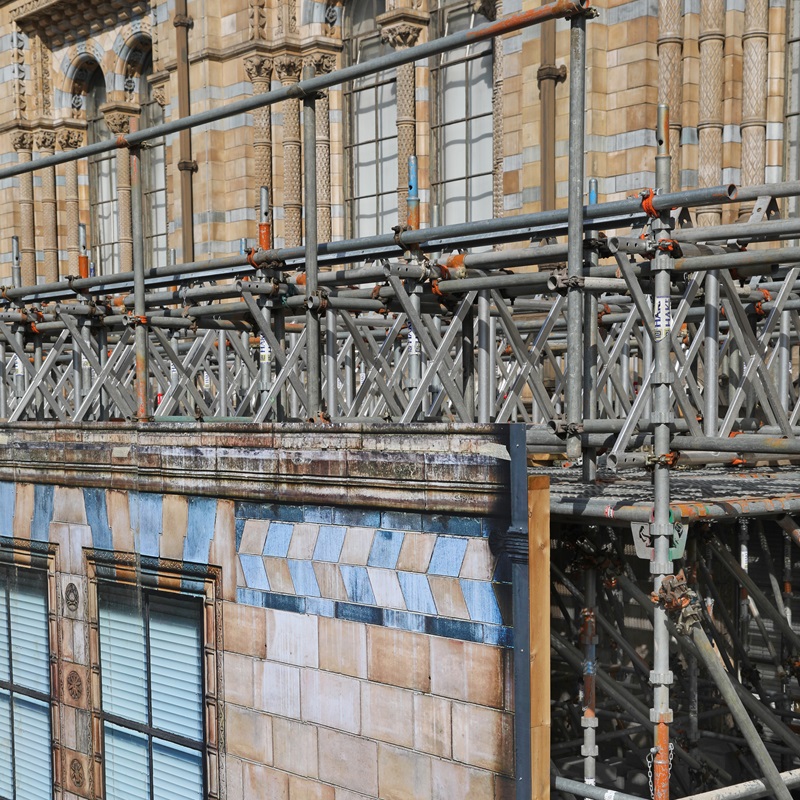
<point>152,695</point>
<point>154,175</point>
<point>25,740</point>
<point>102,182</point>
<point>372,132</point>
<point>462,130</point>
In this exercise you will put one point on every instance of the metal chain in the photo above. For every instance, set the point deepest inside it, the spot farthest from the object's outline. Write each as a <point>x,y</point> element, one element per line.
<point>671,756</point>
<point>649,760</point>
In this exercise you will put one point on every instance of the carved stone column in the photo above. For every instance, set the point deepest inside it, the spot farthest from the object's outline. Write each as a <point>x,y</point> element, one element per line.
<point>712,38</point>
<point>259,71</point>
<point>401,35</point>
<point>71,140</point>
<point>288,68</point>
<point>23,144</point>
<point>120,124</point>
<point>46,145</point>
<point>491,10</point>
<point>670,77</point>
<point>754,91</point>
<point>323,63</point>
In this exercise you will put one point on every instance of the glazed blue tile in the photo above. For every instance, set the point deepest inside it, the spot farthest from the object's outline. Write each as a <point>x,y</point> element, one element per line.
<point>250,597</point>
<point>403,620</point>
<point>8,495</point>
<point>329,543</point>
<point>417,592</point>
<point>240,523</point>
<point>401,520</point>
<point>286,513</point>
<point>97,516</point>
<point>255,575</point>
<point>303,578</point>
<point>318,514</point>
<point>279,537</point>
<point>268,511</point>
<point>386,549</point>
<point>284,602</point>
<point>448,555</point>
<point>192,586</point>
<point>202,518</point>
<point>145,509</point>
<point>369,615</point>
<point>498,635</point>
<point>458,526</point>
<point>493,525</point>
<point>320,607</point>
<point>454,629</point>
<point>357,585</point>
<point>43,512</point>
<point>357,517</point>
<point>481,601</point>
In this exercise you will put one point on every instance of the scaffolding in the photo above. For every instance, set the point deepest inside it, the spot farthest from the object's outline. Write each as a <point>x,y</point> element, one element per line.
<point>660,366</point>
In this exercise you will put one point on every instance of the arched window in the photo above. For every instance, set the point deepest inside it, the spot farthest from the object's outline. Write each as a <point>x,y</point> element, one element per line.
<point>154,174</point>
<point>462,122</point>
<point>102,181</point>
<point>371,143</point>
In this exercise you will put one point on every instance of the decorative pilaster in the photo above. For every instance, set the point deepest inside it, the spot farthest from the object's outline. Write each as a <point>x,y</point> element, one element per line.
<point>71,140</point>
<point>401,33</point>
<point>323,63</point>
<point>23,144</point>
<point>288,68</point>
<point>491,9</point>
<point>18,73</point>
<point>259,71</point>
<point>712,39</point>
<point>670,77</point>
<point>754,88</point>
<point>120,124</point>
<point>46,145</point>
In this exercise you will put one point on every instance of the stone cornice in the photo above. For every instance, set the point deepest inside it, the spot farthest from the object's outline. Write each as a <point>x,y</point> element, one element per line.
<point>435,468</point>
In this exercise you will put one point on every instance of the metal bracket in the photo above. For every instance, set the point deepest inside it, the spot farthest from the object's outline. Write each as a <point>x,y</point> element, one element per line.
<point>643,533</point>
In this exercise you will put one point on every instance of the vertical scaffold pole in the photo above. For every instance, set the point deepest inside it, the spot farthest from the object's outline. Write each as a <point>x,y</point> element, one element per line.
<point>139,307</point>
<point>590,355</point>
<point>661,529</point>
<point>577,103</point>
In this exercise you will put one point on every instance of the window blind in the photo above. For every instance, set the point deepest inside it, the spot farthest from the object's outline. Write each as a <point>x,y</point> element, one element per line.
<point>30,640</point>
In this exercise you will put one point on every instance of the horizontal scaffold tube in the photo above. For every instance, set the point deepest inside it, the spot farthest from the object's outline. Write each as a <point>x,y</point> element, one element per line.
<point>591,792</point>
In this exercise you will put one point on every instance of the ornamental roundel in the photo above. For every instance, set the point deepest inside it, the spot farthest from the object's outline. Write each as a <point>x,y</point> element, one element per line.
<point>71,597</point>
<point>74,685</point>
<point>76,773</point>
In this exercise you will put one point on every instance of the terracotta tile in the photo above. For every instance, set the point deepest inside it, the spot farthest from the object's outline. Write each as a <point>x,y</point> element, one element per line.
<point>304,539</point>
<point>223,548</point>
<point>330,580</point>
<point>448,597</point>
<point>387,714</point>
<point>244,629</point>
<point>280,579</point>
<point>454,780</point>
<point>292,638</point>
<point>415,554</point>
<point>338,752</point>
<point>433,725</point>
<point>254,536</point>
<point>175,518</point>
<point>343,646</point>
<point>303,789</point>
<point>402,774</point>
<point>248,734</point>
<point>483,738</point>
<point>264,782</point>
<point>399,658</point>
<point>295,747</point>
<point>331,700</point>
<point>467,671</point>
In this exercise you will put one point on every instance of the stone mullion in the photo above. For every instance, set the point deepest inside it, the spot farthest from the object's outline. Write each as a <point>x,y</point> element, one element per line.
<point>23,144</point>
<point>288,69</point>
<point>670,76</point>
<point>45,144</point>
<point>259,70</point>
<point>119,125</point>
<point>69,140</point>
<point>754,87</point>
<point>712,39</point>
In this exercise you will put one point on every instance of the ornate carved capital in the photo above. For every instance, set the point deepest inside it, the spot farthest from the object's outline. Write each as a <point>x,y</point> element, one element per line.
<point>258,68</point>
<point>402,35</point>
<point>118,123</point>
<point>70,139</point>
<point>486,8</point>
<point>160,94</point>
<point>288,68</point>
<point>22,140</point>
<point>45,140</point>
<point>323,63</point>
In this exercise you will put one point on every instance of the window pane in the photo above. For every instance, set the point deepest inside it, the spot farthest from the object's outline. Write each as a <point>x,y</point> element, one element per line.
<point>388,212</point>
<point>5,745</point>
<point>480,85</point>
<point>455,150</point>
<point>122,656</point>
<point>364,115</point>
<point>455,202</point>
<point>176,668</point>
<point>480,145</point>
<point>387,109</point>
<point>455,92</point>
<point>4,676</point>
<point>364,170</point>
<point>177,772</point>
<point>127,767</point>
<point>365,211</point>
<point>388,165</point>
<point>32,749</point>
<point>30,660</point>
<point>480,195</point>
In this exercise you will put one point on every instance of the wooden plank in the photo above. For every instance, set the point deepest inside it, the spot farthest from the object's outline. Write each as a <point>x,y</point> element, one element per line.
<point>539,588</point>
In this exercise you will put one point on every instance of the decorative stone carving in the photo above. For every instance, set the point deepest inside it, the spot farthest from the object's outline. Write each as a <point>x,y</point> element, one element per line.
<point>288,68</point>
<point>323,63</point>
<point>118,123</point>
<point>332,16</point>
<point>71,597</point>
<point>486,8</point>
<point>18,74</point>
<point>258,19</point>
<point>45,141</point>
<point>258,69</point>
<point>74,685</point>
<point>160,94</point>
<point>22,140</point>
<point>401,36</point>
<point>76,773</point>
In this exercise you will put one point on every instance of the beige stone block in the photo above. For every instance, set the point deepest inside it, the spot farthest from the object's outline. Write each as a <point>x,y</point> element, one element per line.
<point>387,714</point>
<point>403,774</point>
<point>357,546</point>
<point>223,547</point>
<point>264,783</point>
<point>478,561</point>
<point>399,658</point>
<point>348,761</point>
<point>386,588</point>
<point>254,536</point>
<point>244,629</point>
<point>448,597</point>
<point>483,738</point>
<point>278,575</point>
<point>433,725</point>
<point>343,646</point>
<point>277,688</point>
<point>330,580</point>
<point>295,747</point>
<point>23,511</point>
<point>304,539</point>
<point>330,699</point>
<point>233,779</point>
<point>174,521</point>
<point>238,679</point>
<point>304,789</point>
<point>454,780</point>
<point>467,671</point>
<point>80,537</point>
<point>68,505</point>
<point>346,794</point>
<point>248,734</point>
<point>292,638</point>
<point>504,788</point>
